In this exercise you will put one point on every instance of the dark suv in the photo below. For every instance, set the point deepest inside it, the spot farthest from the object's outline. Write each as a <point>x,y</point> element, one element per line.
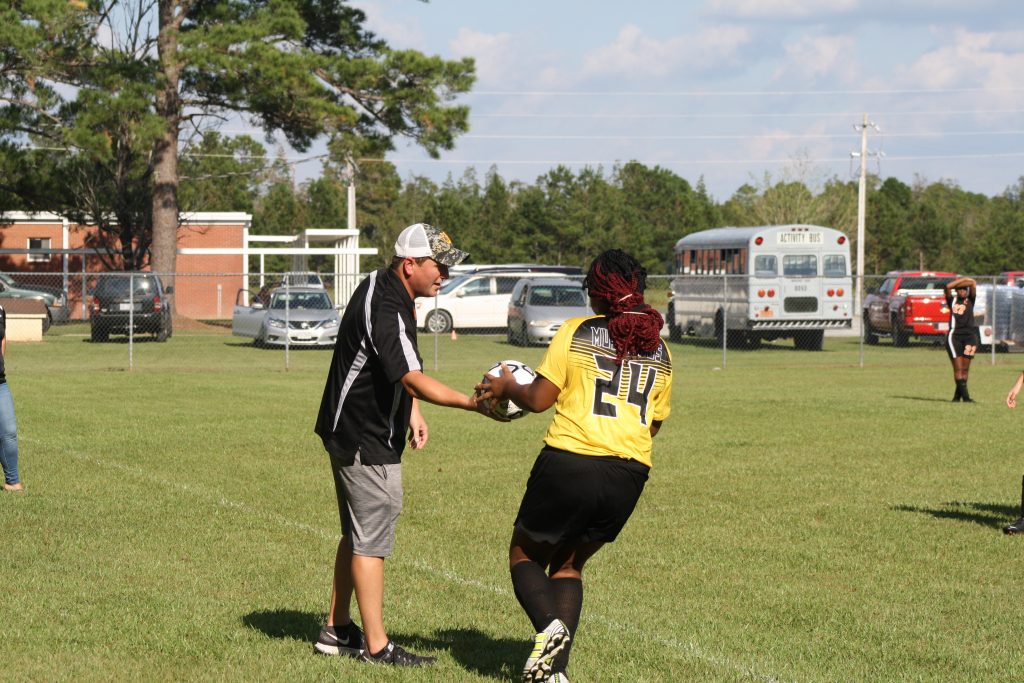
<point>115,306</point>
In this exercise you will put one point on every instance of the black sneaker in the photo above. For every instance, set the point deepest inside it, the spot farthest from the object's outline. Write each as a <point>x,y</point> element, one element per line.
<point>394,654</point>
<point>345,640</point>
<point>1014,527</point>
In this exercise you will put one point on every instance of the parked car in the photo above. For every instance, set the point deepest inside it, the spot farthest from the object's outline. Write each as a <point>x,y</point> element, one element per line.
<point>116,308</point>
<point>539,306</point>
<point>56,305</point>
<point>479,298</point>
<point>300,316</point>
<point>908,303</point>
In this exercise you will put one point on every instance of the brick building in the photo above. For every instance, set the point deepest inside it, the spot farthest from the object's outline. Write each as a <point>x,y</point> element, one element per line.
<point>212,262</point>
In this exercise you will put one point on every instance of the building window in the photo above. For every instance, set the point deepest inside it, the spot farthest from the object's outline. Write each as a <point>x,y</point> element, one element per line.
<point>38,243</point>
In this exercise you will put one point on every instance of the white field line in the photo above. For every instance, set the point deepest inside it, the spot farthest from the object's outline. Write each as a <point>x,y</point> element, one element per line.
<point>687,649</point>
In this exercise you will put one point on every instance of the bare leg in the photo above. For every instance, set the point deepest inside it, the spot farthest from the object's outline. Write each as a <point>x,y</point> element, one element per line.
<point>368,581</point>
<point>341,590</point>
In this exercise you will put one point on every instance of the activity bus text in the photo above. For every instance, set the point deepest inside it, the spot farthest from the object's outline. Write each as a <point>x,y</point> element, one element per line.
<point>748,285</point>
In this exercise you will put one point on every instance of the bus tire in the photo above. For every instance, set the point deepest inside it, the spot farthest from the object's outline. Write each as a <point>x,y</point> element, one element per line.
<point>809,340</point>
<point>719,327</point>
<point>675,333</point>
<point>752,340</point>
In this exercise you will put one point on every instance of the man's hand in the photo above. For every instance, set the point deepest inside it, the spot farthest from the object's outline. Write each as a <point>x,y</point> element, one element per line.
<point>418,432</point>
<point>484,401</point>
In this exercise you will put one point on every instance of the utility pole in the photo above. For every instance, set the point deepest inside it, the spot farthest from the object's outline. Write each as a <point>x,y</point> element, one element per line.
<point>861,207</point>
<point>351,261</point>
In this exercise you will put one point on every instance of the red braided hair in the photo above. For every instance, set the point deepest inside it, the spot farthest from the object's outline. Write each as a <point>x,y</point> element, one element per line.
<point>619,279</point>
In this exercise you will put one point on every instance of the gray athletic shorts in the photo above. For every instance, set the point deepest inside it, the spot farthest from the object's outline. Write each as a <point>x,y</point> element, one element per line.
<point>369,502</point>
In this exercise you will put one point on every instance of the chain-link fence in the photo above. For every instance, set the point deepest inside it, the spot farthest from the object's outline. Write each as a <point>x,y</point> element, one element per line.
<point>711,320</point>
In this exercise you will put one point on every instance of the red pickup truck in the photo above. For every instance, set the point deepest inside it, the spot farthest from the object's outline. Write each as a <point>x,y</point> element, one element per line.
<point>909,303</point>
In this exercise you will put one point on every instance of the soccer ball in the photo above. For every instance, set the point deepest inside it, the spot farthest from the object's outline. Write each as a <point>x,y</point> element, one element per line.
<point>524,374</point>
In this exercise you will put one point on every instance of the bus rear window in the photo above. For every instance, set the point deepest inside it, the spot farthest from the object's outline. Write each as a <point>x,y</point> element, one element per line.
<point>834,265</point>
<point>800,266</point>
<point>765,266</point>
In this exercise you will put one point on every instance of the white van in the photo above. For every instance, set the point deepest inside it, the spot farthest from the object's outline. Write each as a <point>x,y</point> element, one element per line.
<point>479,298</point>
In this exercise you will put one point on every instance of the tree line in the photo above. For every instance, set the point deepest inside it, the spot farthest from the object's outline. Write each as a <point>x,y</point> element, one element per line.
<point>567,217</point>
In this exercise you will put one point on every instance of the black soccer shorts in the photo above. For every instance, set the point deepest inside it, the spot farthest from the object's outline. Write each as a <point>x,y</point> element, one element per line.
<point>579,498</point>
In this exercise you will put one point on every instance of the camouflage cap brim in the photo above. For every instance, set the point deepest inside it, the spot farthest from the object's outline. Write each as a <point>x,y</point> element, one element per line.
<point>442,249</point>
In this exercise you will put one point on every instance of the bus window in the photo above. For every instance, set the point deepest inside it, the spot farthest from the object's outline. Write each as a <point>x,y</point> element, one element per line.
<point>799,265</point>
<point>834,265</point>
<point>766,266</point>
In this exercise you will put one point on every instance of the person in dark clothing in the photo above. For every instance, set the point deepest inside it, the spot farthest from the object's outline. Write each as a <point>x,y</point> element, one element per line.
<point>371,400</point>
<point>962,340</point>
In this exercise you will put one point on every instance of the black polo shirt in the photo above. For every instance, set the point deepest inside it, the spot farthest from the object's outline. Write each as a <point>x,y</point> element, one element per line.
<point>365,407</point>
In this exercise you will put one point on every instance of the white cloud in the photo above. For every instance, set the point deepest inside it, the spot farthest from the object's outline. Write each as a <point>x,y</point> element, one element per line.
<point>637,55</point>
<point>493,53</point>
<point>400,33</point>
<point>779,9</point>
<point>968,60</point>
<point>815,58</point>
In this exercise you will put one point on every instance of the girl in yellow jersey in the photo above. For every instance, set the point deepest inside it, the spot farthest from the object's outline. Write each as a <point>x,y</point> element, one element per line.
<point>610,379</point>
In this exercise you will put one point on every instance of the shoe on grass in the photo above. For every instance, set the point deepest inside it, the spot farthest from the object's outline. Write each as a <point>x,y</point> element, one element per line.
<point>344,640</point>
<point>1014,527</point>
<point>546,645</point>
<point>396,656</point>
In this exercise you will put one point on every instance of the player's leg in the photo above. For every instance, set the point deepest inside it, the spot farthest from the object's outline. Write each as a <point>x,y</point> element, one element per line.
<point>567,591</point>
<point>341,636</point>
<point>1017,527</point>
<point>536,595</point>
<point>951,351</point>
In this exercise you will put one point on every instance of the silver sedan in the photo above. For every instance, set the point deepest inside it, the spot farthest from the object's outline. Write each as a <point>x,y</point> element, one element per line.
<point>297,316</point>
<point>539,306</point>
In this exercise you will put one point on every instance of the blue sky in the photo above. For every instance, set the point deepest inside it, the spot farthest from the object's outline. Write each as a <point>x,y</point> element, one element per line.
<point>728,90</point>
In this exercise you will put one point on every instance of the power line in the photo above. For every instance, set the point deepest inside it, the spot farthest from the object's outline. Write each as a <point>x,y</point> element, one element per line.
<point>689,162</point>
<point>731,115</point>
<point>732,93</point>
<point>769,136</point>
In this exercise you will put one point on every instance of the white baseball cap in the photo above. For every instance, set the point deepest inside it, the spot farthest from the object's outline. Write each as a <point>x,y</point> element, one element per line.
<point>419,240</point>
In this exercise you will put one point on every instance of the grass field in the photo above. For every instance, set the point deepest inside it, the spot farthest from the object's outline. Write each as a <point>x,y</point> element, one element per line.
<point>806,520</point>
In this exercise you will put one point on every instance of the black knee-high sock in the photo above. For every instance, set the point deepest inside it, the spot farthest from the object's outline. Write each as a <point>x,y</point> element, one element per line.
<point>533,591</point>
<point>568,606</point>
<point>958,395</point>
<point>961,385</point>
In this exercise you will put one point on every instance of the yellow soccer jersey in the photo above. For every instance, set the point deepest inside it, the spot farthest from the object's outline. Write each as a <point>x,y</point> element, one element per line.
<point>604,408</point>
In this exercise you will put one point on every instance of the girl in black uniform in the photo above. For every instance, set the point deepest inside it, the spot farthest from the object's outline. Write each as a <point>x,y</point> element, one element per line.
<point>963,339</point>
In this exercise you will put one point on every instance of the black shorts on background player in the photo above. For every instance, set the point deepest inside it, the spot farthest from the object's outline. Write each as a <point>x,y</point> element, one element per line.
<point>957,343</point>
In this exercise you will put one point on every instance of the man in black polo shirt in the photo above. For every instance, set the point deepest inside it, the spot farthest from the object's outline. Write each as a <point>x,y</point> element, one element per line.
<point>370,402</point>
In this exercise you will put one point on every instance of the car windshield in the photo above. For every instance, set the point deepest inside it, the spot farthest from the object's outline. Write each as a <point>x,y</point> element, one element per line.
<point>449,285</point>
<point>118,286</point>
<point>556,296</point>
<point>925,282</point>
<point>310,301</point>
